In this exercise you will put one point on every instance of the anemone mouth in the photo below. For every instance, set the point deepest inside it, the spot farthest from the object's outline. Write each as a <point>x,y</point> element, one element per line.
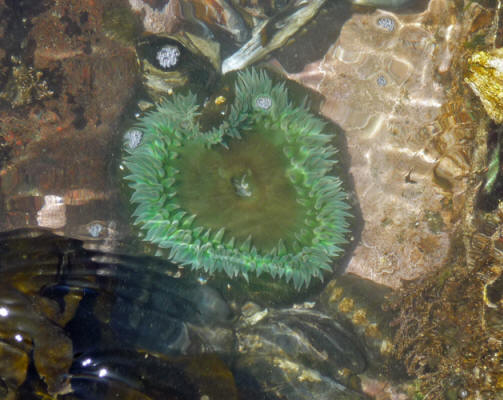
<point>253,195</point>
<point>242,188</point>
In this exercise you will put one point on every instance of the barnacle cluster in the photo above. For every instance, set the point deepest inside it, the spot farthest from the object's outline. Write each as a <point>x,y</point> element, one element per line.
<point>254,194</point>
<point>346,297</point>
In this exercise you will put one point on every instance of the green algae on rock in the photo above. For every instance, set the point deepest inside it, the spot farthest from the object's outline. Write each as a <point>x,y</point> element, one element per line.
<point>254,194</point>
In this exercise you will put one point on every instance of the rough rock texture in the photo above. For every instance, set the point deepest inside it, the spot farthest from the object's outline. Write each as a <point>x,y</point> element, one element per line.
<point>55,153</point>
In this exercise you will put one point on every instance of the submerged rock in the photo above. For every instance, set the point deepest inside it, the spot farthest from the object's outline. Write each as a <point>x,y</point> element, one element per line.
<point>408,141</point>
<point>301,353</point>
<point>29,336</point>
<point>118,322</point>
<point>126,374</point>
<point>90,323</point>
<point>170,62</point>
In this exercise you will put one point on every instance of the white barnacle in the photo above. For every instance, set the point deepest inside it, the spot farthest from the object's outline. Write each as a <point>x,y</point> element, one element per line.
<point>132,138</point>
<point>95,230</point>
<point>168,56</point>
<point>381,80</point>
<point>386,23</point>
<point>263,102</point>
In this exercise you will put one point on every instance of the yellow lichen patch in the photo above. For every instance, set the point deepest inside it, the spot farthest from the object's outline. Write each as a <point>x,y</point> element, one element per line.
<point>336,295</point>
<point>360,317</point>
<point>496,272</point>
<point>372,331</point>
<point>309,375</point>
<point>344,372</point>
<point>349,378</point>
<point>485,77</point>
<point>52,310</point>
<point>499,382</point>
<point>346,305</point>
<point>286,365</point>
<point>386,347</point>
<point>13,364</point>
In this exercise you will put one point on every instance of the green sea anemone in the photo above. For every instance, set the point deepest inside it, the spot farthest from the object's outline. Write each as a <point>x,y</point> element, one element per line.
<point>254,194</point>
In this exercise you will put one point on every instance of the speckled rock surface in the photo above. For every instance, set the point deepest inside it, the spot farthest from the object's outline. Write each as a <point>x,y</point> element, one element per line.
<point>55,153</point>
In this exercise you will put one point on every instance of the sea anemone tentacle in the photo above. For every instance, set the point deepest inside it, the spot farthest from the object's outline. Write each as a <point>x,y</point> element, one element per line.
<point>253,195</point>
